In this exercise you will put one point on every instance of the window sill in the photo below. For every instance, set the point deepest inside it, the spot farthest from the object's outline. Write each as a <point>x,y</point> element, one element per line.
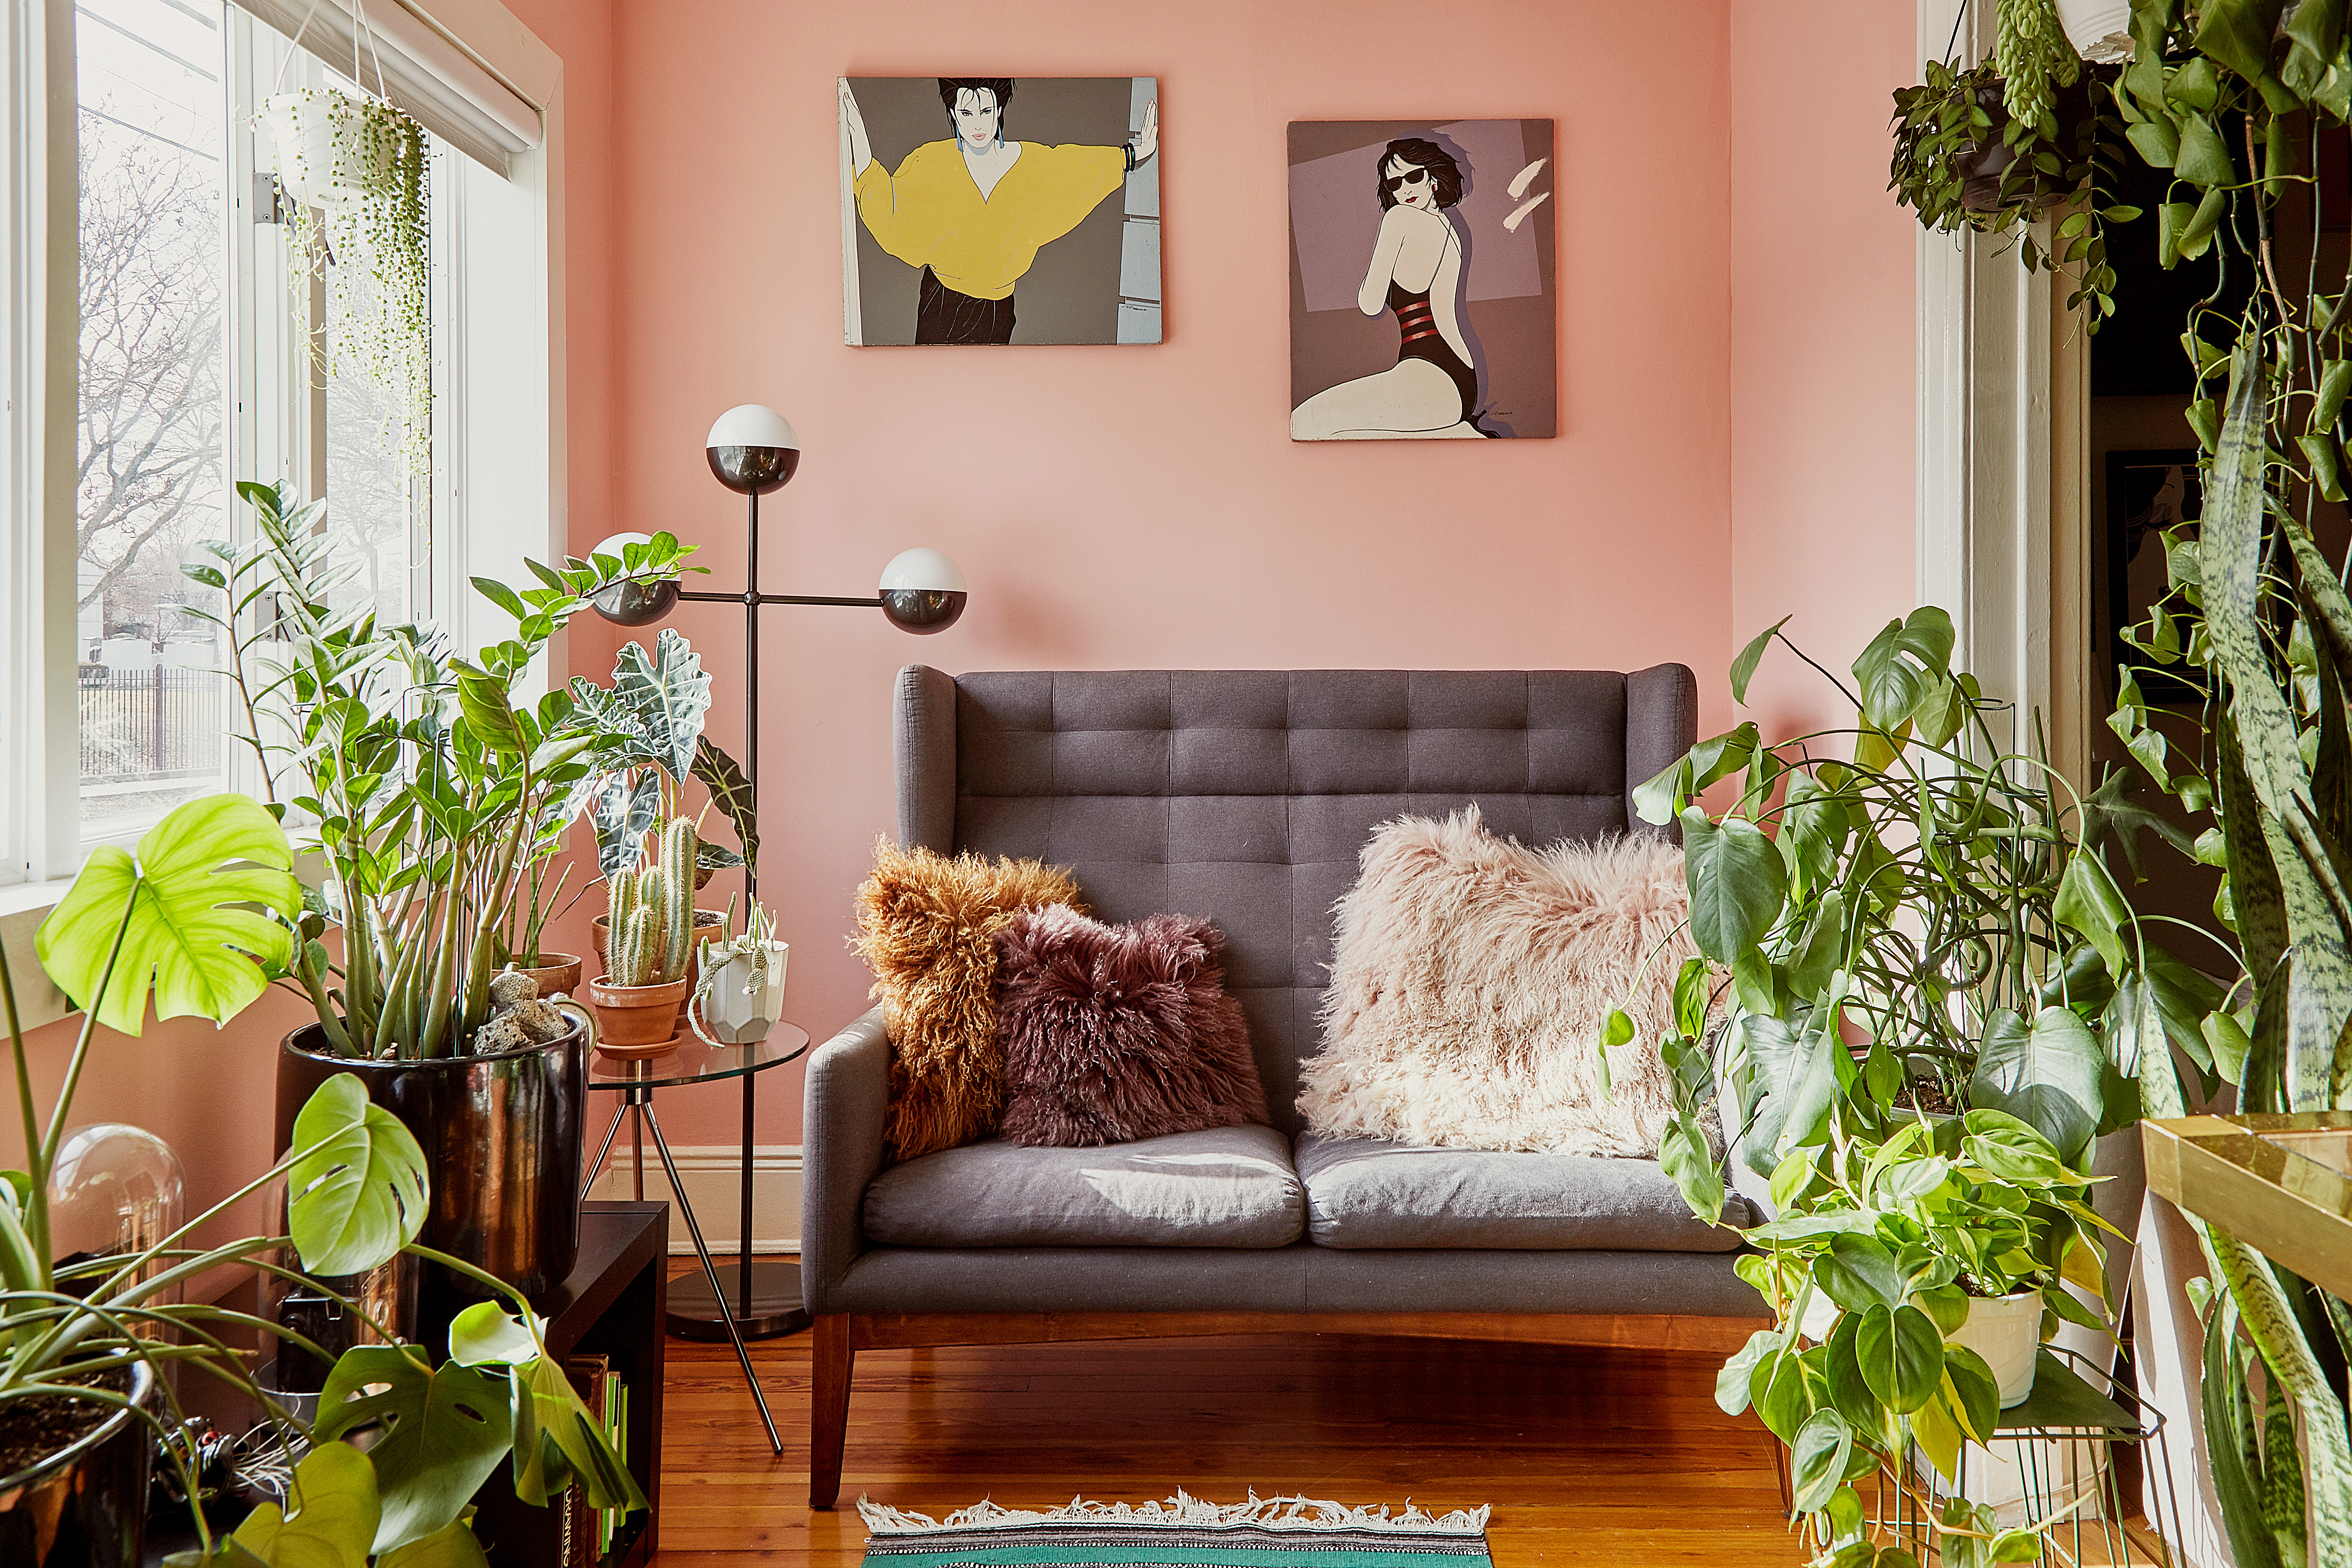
<point>23,907</point>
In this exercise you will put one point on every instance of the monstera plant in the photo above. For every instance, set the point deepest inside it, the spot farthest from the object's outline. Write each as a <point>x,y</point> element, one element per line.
<point>193,920</point>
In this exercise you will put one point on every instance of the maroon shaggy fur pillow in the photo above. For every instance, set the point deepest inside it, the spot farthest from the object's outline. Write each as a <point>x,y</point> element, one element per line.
<point>1116,1033</point>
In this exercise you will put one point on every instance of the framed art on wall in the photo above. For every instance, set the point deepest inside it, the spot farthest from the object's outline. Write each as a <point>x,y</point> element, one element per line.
<point>1420,280</point>
<point>1001,210</point>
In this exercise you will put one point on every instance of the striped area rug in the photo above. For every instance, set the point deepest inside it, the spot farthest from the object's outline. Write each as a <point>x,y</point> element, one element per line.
<point>1182,1532</point>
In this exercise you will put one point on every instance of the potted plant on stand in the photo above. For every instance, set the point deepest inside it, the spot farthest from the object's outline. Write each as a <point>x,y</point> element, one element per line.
<point>740,995</point>
<point>197,918</point>
<point>425,785</point>
<point>642,998</point>
<point>1935,998</point>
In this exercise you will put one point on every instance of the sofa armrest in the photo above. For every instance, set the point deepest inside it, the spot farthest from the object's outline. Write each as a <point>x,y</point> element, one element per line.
<point>841,1152</point>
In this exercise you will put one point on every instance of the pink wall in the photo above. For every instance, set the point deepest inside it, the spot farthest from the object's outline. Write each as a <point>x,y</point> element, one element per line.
<point>1144,507</point>
<point>1737,368</point>
<point>1822,362</point>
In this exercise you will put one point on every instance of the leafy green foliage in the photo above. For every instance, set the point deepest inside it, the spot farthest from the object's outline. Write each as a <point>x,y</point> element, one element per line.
<point>187,915</point>
<point>444,1430</point>
<point>358,1184</point>
<point>432,789</point>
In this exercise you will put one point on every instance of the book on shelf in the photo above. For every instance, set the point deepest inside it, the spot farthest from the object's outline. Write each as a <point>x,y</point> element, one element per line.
<point>583,1532</point>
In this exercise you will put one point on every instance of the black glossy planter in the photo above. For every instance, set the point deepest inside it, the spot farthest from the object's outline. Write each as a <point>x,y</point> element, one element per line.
<point>501,1136</point>
<point>86,1505</point>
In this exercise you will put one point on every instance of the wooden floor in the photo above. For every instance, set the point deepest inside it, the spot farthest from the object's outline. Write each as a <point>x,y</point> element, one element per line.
<point>1587,1456</point>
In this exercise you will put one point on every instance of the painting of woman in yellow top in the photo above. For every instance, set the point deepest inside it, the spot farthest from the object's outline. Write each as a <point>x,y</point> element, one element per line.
<point>972,212</point>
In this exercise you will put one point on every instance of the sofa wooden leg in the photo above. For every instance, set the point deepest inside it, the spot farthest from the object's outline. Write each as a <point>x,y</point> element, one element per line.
<point>831,1359</point>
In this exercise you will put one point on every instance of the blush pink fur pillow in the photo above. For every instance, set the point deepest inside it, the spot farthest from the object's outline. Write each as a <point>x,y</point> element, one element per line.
<point>1117,1033</point>
<point>1468,986</point>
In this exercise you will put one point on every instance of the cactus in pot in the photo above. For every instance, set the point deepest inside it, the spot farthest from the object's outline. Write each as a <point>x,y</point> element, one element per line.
<point>650,948</point>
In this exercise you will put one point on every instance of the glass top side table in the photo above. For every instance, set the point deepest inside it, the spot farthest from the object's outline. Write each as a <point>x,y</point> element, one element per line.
<point>765,1300</point>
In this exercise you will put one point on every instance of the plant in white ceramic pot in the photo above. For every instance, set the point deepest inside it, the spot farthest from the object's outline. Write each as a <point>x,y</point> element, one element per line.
<point>354,168</point>
<point>1933,998</point>
<point>740,996</point>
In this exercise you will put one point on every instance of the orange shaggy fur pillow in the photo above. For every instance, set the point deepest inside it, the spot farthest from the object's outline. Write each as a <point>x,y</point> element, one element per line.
<point>927,927</point>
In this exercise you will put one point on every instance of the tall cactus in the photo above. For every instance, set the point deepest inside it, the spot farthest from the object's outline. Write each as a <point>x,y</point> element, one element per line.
<point>652,941</point>
<point>678,852</point>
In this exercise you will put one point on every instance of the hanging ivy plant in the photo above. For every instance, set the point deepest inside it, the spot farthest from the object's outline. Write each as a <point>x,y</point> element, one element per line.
<point>1963,160</point>
<point>355,170</point>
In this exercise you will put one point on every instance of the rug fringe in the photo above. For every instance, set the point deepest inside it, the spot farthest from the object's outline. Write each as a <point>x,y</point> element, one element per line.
<point>1285,1513</point>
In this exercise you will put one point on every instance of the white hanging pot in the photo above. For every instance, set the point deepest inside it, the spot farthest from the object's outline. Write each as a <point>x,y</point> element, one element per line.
<point>333,150</point>
<point>2007,1331</point>
<point>2100,30</point>
<point>741,997</point>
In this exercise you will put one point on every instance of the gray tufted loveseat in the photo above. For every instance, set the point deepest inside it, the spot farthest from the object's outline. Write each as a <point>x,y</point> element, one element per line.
<point>1245,795</point>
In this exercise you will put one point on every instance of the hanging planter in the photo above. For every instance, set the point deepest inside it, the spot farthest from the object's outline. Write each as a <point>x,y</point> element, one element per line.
<point>353,170</point>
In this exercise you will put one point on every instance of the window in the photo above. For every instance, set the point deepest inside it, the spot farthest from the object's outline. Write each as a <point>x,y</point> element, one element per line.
<point>156,350</point>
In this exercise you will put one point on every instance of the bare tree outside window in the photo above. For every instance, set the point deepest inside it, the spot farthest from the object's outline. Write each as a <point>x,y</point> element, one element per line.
<point>151,436</point>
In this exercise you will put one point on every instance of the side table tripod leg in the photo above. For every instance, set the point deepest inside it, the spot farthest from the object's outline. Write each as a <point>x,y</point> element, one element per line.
<point>711,1272</point>
<point>596,1166</point>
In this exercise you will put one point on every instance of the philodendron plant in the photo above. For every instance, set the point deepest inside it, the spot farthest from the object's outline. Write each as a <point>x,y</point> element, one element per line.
<point>1933,998</point>
<point>193,920</point>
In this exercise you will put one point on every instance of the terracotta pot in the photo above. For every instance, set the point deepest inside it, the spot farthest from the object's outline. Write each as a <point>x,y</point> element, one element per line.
<point>631,1019</point>
<point>558,974</point>
<point>85,1506</point>
<point>502,1137</point>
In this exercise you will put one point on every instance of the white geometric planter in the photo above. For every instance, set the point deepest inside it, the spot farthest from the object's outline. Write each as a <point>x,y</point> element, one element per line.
<point>2006,1332</point>
<point>743,998</point>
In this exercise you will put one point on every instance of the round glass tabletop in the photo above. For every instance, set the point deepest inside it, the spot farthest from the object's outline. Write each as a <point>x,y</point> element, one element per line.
<point>695,1062</point>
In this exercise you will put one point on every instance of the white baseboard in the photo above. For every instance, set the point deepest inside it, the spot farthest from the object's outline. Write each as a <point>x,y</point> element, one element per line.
<point>712,1175</point>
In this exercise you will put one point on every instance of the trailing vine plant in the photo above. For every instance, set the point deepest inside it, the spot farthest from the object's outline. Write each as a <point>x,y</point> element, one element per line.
<point>371,243</point>
<point>1998,147</point>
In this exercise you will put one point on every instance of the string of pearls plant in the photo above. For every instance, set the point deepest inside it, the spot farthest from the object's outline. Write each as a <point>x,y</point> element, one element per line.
<point>353,170</point>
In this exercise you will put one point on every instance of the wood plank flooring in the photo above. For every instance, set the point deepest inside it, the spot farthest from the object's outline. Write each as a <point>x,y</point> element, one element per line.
<point>1588,1455</point>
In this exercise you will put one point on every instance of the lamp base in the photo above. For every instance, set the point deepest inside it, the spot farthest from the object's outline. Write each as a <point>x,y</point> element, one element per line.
<point>776,1308</point>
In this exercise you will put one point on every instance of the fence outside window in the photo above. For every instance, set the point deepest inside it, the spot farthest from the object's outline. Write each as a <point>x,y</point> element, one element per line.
<point>142,725</point>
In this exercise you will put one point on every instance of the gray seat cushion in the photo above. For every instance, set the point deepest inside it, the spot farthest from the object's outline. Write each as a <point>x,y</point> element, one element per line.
<point>1366,1193</point>
<point>1230,1186</point>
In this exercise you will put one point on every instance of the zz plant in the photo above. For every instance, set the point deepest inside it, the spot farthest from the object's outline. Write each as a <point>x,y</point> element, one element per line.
<point>193,920</point>
<point>430,785</point>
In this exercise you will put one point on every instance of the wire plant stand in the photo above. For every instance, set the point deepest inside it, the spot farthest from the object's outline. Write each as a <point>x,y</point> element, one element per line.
<point>2051,1464</point>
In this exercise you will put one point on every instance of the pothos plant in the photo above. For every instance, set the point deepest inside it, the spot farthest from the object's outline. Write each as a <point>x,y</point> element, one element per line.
<point>1998,147</point>
<point>191,920</point>
<point>355,167</point>
<point>430,785</point>
<point>1934,997</point>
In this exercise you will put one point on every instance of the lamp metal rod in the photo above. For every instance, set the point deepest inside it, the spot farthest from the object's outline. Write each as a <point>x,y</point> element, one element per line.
<point>756,599</point>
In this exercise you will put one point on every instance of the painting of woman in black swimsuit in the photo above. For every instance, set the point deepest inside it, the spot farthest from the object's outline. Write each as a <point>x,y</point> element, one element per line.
<point>1429,250</point>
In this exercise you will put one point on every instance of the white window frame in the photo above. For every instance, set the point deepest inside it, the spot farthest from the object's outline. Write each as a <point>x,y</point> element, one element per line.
<point>500,449</point>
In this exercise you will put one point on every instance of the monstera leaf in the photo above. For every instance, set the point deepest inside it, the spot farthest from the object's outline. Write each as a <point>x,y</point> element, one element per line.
<point>446,1429</point>
<point>359,1186</point>
<point>667,694</point>
<point>193,905</point>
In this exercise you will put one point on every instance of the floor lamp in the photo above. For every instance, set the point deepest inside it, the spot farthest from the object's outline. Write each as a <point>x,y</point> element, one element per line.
<point>753,452</point>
